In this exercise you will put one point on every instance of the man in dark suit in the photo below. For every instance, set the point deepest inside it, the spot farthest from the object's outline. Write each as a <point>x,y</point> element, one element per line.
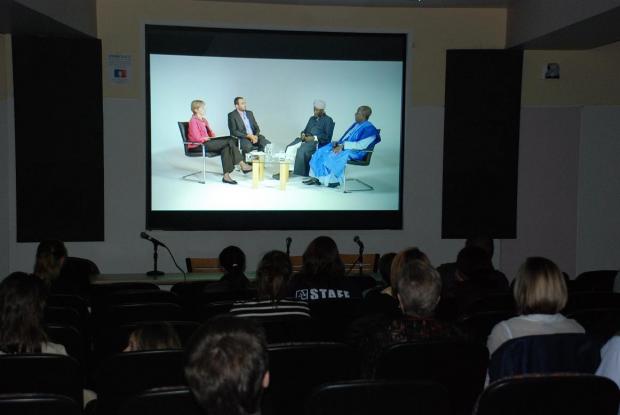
<point>243,126</point>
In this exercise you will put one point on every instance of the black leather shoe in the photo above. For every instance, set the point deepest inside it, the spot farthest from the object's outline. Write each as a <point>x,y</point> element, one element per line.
<point>332,185</point>
<point>246,171</point>
<point>228,181</point>
<point>312,181</point>
<point>276,176</point>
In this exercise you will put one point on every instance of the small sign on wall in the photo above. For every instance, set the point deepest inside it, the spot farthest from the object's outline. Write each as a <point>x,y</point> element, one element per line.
<point>551,71</point>
<point>119,68</point>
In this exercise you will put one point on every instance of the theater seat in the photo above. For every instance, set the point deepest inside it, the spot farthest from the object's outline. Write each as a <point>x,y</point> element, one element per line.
<point>372,397</point>
<point>38,404</point>
<point>162,401</point>
<point>550,395</point>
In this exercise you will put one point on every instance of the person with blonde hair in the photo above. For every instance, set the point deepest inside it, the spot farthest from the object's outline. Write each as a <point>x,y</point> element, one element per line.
<point>199,131</point>
<point>540,294</point>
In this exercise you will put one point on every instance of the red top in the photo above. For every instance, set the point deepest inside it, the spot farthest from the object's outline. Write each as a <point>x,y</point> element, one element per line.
<point>198,131</point>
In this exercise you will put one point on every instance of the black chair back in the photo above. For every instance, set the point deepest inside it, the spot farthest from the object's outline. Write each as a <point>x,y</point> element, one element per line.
<point>332,317</point>
<point>162,401</point>
<point>126,374</point>
<point>69,337</point>
<point>479,325</point>
<point>297,368</point>
<point>460,367</point>
<point>371,397</point>
<point>545,354</point>
<point>75,302</point>
<point>105,289</point>
<point>493,302</point>
<point>140,296</point>
<point>114,340</point>
<point>66,316</point>
<point>601,280</point>
<point>38,404</point>
<point>41,373</point>
<point>586,300</point>
<point>601,323</point>
<point>119,314</point>
<point>550,395</point>
<point>74,277</point>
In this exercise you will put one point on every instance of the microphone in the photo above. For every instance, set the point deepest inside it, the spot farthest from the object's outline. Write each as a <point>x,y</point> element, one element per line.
<point>358,241</point>
<point>146,236</point>
<point>288,245</point>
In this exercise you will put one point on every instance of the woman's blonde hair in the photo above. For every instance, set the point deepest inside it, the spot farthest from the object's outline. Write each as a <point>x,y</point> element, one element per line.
<point>197,103</point>
<point>540,287</point>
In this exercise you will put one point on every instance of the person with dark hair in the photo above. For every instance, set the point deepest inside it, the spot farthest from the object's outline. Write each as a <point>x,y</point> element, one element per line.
<point>232,261</point>
<point>153,336</point>
<point>540,294</point>
<point>272,277</point>
<point>227,366</point>
<point>328,162</point>
<point>51,255</point>
<point>243,127</point>
<point>322,274</point>
<point>417,285</point>
<point>385,266</point>
<point>22,301</point>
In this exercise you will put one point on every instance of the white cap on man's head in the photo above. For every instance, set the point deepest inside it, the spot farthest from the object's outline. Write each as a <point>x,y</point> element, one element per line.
<point>319,104</point>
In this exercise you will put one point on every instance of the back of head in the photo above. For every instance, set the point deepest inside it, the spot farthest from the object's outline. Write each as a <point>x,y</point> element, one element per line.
<point>321,259</point>
<point>272,275</point>
<point>227,364</point>
<point>540,287</point>
<point>232,259</point>
<point>482,242</point>
<point>154,336</point>
<point>22,300</point>
<point>419,288</point>
<point>473,263</point>
<point>403,259</point>
<point>50,257</point>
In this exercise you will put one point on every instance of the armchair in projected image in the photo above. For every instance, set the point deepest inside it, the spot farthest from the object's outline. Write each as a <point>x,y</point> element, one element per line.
<point>199,151</point>
<point>365,161</point>
<point>362,162</point>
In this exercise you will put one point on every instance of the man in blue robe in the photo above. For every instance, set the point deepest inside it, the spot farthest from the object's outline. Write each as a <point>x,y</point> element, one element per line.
<point>328,162</point>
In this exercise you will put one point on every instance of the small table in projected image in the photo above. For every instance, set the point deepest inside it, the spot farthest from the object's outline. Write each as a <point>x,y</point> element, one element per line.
<point>260,160</point>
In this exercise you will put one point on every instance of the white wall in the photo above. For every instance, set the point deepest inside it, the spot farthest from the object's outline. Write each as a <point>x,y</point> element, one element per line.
<point>78,14</point>
<point>598,238</point>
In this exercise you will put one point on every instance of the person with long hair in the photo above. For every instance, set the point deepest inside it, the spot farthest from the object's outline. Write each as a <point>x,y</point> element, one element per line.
<point>51,255</point>
<point>22,301</point>
<point>322,275</point>
<point>272,276</point>
<point>153,336</point>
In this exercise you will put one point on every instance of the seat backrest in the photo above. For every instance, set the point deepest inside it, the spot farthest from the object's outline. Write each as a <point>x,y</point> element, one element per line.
<point>203,265</point>
<point>76,302</point>
<point>460,367</point>
<point>126,374</point>
<point>601,322</point>
<point>140,296</point>
<point>600,280</point>
<point>591,299</point>
<point>162,401</point>
<point>332,317</point>
<point>493,302</point>
<point>41,373</point>
<point>370,397</point>
<point>99,290</point>
<point>551,353</point>
<point>38,403</point>
<point>69,337</point>
<point>183,127</point>
<point>66,316</point>
<point>479,325</point>
<point>114,340</point>
<point>75,276</point>
<point>558,394</point>
<point>118,314</point>
<point>297,368</point>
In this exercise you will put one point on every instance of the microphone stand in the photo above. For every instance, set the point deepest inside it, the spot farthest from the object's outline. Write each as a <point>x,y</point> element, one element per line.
<point>360,259</point>
<point>155,273</point>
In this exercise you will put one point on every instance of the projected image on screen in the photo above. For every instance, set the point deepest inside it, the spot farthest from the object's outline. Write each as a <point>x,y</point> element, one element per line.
<point>285,79</point>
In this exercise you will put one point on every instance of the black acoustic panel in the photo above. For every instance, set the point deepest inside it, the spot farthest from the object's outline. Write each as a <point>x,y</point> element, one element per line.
<point>481,143</point>
<point>58,138</point>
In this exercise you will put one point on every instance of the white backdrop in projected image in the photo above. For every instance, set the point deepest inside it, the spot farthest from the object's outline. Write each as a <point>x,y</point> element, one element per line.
<point>280,92</point>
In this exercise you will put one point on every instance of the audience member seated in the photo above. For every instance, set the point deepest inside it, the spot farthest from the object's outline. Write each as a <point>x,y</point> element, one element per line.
<point>322,275</point>
<point>22,301</point>
<point>417,285</point>
<point>272,276</point>
<point>475,278</point>
<point>232,261</point>
<point>153,336</point>
<point>406,256</point>
<point>227,366</point>
<point>375,300</point>
<point>540,294</point>
<point>50,257</point>
<point>448,271</point>
<point>610,360</point>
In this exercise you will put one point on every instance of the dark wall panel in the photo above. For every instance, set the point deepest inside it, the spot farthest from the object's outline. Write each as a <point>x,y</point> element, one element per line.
<point>58,138</point>
<point>481,143</point>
